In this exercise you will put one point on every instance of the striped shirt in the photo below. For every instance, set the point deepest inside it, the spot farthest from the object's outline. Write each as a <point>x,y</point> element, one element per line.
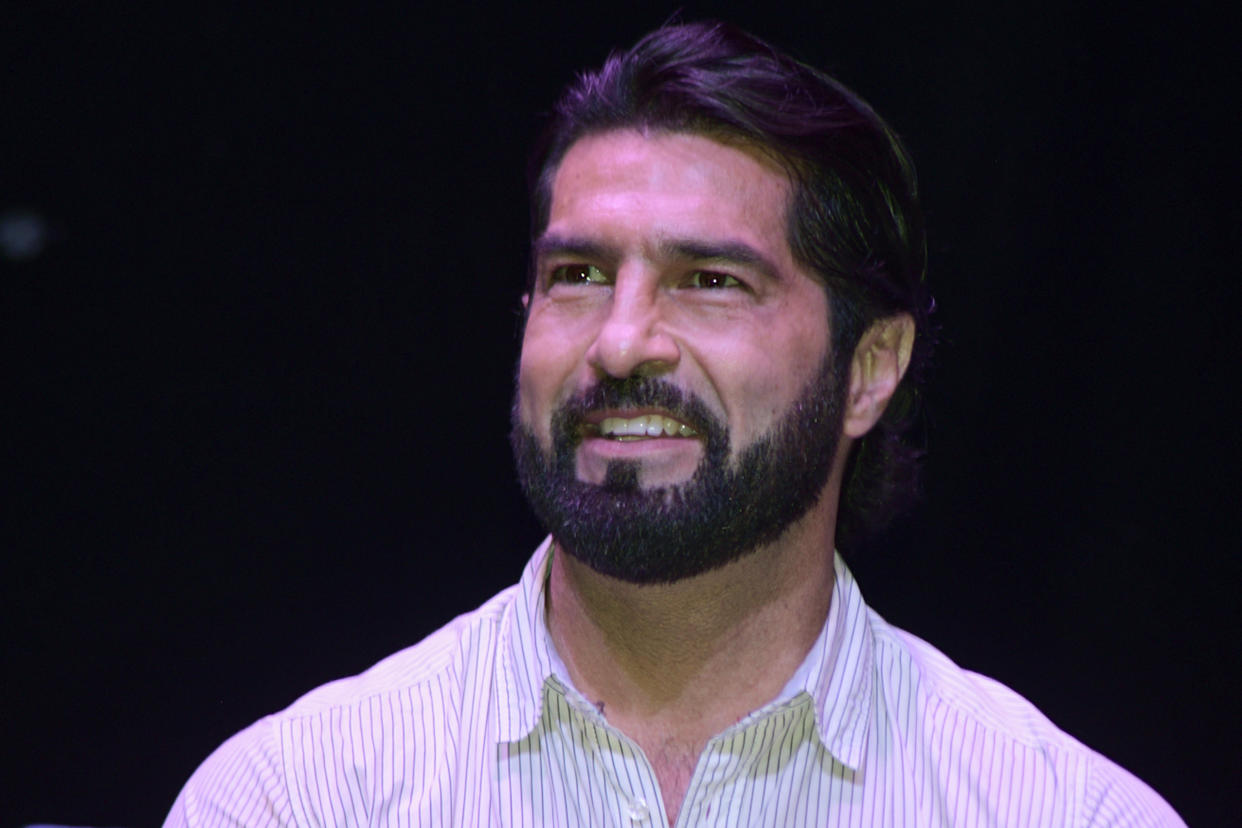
<point>479,725</point>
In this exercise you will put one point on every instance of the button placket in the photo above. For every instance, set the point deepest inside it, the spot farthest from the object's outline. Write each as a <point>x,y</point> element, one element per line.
<point>591,725</point>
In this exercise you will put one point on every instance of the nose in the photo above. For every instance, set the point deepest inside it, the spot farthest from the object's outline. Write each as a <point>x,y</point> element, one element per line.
<point>633,339</point>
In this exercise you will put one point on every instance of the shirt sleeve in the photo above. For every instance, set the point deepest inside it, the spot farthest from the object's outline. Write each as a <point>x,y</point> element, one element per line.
<point>1116,798</point>
<point>241,784</point>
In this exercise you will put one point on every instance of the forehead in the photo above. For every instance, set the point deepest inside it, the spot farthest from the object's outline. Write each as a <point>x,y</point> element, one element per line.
<point>670,182</point>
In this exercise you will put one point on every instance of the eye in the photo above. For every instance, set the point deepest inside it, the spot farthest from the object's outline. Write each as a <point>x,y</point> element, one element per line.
<point>577,274</point>
<point>710,279</point>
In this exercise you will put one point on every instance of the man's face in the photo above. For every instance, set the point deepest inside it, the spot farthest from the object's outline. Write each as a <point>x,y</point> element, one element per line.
<point>675,365</point>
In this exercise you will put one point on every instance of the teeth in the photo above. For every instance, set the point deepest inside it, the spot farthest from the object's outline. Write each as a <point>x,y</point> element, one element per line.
<point>648,425</point>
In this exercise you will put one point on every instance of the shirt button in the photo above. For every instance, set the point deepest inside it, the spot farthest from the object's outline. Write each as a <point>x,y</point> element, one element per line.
<point>638,810</point>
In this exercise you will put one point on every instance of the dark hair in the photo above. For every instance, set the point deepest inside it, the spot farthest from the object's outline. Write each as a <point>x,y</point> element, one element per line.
<point>854,216</point>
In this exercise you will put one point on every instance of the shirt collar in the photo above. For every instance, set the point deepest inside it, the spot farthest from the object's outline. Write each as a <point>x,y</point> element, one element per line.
<point>837,673</point>
<point>526,657</point>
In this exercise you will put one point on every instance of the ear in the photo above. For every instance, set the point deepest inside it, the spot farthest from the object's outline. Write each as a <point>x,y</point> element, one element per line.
<point>525,301</point>
<point>879,363</point>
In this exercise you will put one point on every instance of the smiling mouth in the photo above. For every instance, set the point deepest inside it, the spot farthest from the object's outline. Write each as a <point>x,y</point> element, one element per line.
<point>643,427</point>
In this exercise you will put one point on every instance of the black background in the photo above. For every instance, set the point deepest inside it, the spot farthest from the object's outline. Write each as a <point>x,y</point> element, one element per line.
<point>259,377</point>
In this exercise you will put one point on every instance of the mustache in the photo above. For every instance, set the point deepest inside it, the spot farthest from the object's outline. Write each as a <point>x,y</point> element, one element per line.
<point>638,392</point>
<point>569,419</point>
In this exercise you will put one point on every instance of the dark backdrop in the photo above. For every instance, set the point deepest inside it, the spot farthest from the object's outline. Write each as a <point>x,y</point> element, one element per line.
<point>259,291</point>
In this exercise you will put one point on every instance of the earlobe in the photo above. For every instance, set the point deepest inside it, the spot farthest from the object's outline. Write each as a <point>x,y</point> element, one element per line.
<point>879,363</point>
<point>525,301</point>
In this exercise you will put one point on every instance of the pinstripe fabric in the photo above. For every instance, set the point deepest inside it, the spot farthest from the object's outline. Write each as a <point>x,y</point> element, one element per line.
<point>478,725</point>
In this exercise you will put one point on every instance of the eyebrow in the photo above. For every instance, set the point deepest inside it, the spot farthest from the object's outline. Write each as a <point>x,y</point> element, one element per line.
<point>725,250</point>
<point>735,252</point>
<point>549,245</point>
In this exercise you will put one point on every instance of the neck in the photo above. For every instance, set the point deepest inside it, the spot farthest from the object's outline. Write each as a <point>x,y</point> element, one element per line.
<point>688,659</point>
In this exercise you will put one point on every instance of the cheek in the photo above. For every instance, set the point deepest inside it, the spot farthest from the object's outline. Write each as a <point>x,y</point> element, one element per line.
<point>534,393</point>
<point>763,375</point>
<point>545,370</point>
<point>763,394</point>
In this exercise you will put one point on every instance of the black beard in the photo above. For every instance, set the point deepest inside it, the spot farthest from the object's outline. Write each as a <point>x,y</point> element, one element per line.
<point>723,512</point>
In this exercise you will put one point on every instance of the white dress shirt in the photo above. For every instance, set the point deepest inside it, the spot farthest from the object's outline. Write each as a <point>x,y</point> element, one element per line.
<point>479,725</point>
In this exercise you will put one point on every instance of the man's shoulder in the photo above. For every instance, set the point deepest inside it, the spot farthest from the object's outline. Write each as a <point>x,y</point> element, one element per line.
<point>437,657</point>
<point>965,711</point>
<point>937,680</point>
<point>404,714</point>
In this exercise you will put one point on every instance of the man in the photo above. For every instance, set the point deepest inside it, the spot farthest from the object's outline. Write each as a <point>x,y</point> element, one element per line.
<point>725,322</point>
